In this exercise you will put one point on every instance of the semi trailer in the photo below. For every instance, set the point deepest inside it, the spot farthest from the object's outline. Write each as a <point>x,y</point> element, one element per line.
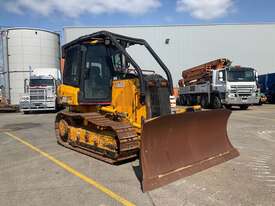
<point>217,83</point>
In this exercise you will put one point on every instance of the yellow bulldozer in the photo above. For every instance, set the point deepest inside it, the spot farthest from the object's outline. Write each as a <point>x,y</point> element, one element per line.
<point>117,112</point>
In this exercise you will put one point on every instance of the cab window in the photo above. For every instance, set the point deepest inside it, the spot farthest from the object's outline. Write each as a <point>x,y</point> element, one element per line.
<point>72,66</point>
<point>97,73</point>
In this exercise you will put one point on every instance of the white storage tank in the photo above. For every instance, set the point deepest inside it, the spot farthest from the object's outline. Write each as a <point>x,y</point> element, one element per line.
<point>24,49</point>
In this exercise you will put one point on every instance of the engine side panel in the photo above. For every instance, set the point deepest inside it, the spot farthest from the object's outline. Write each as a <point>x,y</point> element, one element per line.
<point>68,95</point>
<point>126,100</point>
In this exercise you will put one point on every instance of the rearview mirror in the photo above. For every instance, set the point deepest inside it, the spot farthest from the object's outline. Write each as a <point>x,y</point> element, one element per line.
<point>26,85</point>
<point>221,76</point>
<point>256,76</point>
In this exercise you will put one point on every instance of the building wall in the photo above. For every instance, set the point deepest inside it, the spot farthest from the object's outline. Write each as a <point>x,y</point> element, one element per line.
<point>248,45</point>
<point>25,49</point>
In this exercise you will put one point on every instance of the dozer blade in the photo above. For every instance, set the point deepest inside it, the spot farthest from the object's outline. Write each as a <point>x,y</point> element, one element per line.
<point>179,145</point>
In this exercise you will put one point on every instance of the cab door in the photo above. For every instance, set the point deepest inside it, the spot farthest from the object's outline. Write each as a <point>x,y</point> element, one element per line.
<point>96,75</point>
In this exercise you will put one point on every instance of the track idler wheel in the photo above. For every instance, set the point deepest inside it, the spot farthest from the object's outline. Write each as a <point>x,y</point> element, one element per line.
<point>63,129</point>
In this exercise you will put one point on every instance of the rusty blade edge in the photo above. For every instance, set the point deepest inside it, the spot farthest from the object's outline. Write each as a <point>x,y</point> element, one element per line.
<point>160,180</point>
<point>192,165</point>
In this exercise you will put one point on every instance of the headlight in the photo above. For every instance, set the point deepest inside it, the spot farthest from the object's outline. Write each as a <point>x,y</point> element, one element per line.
<point>25,98</point>
<point>173,101</point>
<point>231,95</point>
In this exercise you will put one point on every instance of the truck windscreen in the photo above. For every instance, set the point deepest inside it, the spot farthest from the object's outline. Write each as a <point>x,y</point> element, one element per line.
<point>240,75</point>
<point>41,82</point>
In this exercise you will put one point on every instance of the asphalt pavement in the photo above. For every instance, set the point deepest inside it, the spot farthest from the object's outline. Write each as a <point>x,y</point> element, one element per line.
<point>35,170</point>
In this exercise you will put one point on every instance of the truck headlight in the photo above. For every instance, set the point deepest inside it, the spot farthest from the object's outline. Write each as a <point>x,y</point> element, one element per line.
<point>25,98</point>
<point>173,102</point>
<point>230,95</point>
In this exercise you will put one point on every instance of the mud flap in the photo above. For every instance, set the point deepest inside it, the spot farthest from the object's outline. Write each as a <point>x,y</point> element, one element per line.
<point>179,145</point>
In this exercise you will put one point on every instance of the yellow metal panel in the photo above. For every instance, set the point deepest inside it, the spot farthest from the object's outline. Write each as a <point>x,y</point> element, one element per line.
<point>105,142</point>
<point>68,94</point>
<point>126,100</point>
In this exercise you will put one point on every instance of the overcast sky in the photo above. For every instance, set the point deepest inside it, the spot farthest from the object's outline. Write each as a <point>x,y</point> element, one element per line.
<point>54,14</point>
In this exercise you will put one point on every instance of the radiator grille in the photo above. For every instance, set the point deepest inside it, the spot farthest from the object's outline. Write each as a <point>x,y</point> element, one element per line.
<point>242,90</point>
<point>38,94</point>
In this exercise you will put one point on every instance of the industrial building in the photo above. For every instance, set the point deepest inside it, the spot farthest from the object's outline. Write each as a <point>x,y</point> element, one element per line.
<point>185,46</point>
<point>21,50</point>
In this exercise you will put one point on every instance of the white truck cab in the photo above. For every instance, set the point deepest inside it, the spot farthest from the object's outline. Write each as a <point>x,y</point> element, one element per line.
<point>41,90</point>
<point>229,86</point>
<point>236,86</point>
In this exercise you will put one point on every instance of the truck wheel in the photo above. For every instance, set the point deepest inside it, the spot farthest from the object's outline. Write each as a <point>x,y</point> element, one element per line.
<point>204,102</point>
<point>178,101</point>
<point>216,102</point>
<point>243,107</point>
<point>228,106</point>
<point>57,106</point>
<point>189,101</point>
<point>182,100</point>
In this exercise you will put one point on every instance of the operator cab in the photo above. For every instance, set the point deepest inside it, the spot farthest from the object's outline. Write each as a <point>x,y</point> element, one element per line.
<point>92,72</point>
<point>92,62</point>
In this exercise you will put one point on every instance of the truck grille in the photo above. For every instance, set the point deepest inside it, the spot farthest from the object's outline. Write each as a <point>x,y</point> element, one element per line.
<point>38,94</point>
<point>242,90</point>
